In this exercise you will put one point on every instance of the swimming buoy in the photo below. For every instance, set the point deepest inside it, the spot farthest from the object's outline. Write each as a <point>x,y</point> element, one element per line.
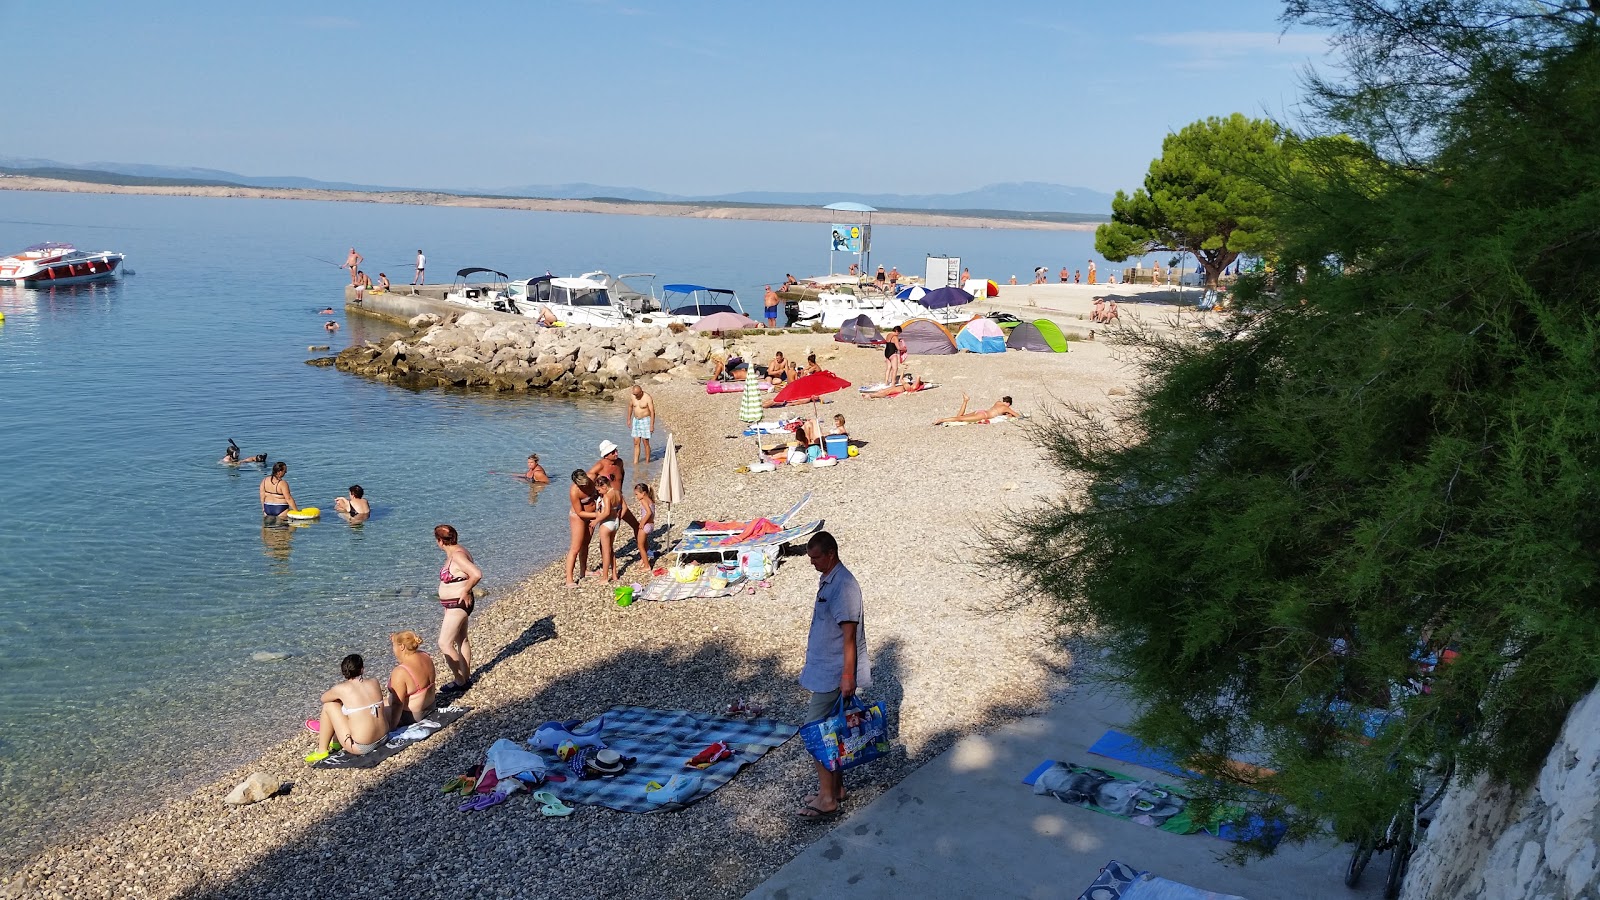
<point>310,512</point>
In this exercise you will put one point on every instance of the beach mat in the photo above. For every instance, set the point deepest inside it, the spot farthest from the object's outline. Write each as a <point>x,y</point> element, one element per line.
<point>663,740</point>
<point>444,716</point>
<point>1160,806</point>
<point>1119,881</point>
<point>1129,749</point>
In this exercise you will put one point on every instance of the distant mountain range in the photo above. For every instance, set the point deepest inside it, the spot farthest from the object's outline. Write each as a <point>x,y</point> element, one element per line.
<point>1023,196</point>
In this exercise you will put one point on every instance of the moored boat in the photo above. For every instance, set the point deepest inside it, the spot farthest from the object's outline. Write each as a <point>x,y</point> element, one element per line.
<point>49,264</point>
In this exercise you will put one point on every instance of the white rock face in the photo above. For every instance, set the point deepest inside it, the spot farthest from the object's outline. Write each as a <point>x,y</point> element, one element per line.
<point>1490,842</point>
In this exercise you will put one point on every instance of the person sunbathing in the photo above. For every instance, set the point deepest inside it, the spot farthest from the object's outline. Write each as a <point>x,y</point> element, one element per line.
<point>909,384</point>
<point>1002,407</point>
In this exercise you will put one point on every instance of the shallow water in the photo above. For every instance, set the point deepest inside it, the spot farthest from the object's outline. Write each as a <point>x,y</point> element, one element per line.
<point>139,583</point>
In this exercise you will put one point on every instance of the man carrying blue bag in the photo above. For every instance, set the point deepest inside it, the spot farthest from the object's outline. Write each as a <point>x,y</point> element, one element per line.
<point>836,660</point>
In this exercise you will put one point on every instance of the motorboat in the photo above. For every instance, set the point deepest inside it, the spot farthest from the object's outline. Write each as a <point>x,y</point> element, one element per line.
<point>584,300</point>
<point>49,264</point>
<point>686,304</point>
<point>832,308</point>
<point>480,288</point>
<point>626,295</point>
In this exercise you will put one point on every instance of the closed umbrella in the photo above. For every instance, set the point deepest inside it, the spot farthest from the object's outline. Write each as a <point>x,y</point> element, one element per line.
<point>750,410</point>
<point>670,490</point>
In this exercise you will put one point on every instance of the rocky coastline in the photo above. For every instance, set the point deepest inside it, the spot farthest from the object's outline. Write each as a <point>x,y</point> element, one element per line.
<point>476,350</point>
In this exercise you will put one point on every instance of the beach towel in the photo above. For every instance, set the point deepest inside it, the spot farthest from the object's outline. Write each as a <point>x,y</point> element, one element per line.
<point>713,543</point>
<point>1119,881</point>
<point>661,741</point>
<point>1127,748</point>
<point>756,529</point>
<point>398,740</point>
<point>1148,803</point>
<point>726,528</point>
<point>666,589</point>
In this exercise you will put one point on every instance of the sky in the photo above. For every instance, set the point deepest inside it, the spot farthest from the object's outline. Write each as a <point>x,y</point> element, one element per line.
<point>684,97</point>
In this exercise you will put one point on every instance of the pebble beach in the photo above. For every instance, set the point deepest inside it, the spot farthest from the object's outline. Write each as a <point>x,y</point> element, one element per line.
<point>952,655</point>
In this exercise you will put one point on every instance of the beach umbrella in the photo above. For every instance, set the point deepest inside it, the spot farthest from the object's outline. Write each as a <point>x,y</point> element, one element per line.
<point>992,290</point>
<point>724,321</point>
<point>945,296</point>
<point>811,387</point>
<point>670,490</point>
<point>750,410</point>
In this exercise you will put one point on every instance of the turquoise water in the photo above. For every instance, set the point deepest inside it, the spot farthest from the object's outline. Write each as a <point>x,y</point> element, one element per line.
<point>138,581</point>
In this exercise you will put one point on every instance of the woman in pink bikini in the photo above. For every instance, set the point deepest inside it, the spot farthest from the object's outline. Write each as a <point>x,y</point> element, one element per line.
<point>456,581</point>
<point>413,685</point>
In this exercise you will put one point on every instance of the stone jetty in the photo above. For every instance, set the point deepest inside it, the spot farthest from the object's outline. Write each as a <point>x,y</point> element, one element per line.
<point>501,353</point>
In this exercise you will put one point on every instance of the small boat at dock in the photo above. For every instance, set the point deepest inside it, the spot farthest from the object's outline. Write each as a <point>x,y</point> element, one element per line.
<point>50,264</point>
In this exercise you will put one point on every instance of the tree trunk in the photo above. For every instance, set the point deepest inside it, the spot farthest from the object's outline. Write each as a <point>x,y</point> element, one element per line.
<point>1214,263</point>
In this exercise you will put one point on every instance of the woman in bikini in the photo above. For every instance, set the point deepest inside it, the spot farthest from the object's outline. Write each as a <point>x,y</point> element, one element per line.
<point>581,497</point>
<point>647,520</point>
<point>910,384</point>
<point>276,499</point>
<point>352,713</point>
<point>1002,407</point>
<point>413,684</point>
<point>456,581</point>
<point>608,519</point>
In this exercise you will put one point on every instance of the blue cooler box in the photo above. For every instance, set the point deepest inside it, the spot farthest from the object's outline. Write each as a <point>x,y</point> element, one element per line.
<point>837,446</point>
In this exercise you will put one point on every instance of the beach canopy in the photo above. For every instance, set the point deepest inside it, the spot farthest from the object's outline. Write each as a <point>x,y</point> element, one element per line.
<point>945,296</point>
<point>1052,334</point>
<point>859,331</point>
<point>849,206</point>
<point>725,321</point>
<point>1027,337</point>
<point>926,337</point>
<point>982,336</point>
<point>462,273</point>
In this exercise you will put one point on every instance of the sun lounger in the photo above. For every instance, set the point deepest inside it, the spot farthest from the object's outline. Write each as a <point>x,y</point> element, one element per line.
<point>723,529</point>
<point>710,543</point>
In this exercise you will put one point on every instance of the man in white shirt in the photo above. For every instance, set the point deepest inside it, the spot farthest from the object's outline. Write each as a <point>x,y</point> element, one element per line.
<point>422,263</point>
<point>836,658</point>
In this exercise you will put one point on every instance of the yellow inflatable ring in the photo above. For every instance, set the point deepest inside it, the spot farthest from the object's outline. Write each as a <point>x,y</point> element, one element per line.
<point>310,512</point>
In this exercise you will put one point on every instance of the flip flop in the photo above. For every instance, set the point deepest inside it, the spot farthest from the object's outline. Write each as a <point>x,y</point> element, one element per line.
<point>810,811</point>
<point>484,801</point>
<point>551,805</point>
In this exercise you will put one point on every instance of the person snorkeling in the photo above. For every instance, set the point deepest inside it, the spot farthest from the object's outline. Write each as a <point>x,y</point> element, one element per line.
<point>230,456</point>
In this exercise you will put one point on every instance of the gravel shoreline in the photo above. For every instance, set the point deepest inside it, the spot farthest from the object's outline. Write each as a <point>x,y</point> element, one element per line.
<point>947,653</point>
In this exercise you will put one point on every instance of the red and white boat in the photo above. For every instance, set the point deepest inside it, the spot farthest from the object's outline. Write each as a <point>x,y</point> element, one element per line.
<point>45,265</point>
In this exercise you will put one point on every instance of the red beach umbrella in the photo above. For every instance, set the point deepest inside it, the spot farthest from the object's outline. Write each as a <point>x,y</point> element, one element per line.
<point>810,387</point>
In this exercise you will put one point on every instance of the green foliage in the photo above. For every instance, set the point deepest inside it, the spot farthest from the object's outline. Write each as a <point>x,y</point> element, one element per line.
<point>1400,447</point>
<point>1206,194</point>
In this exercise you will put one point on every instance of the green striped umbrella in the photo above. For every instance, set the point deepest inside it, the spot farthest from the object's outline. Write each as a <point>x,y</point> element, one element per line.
<point>750,410</point>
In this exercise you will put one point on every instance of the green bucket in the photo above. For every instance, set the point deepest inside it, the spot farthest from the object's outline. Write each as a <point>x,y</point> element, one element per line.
<point>624,594</point>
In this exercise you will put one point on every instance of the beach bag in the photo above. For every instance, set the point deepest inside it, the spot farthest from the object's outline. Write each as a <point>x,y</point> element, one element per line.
<point>758,563</point>
<point>850,736</point>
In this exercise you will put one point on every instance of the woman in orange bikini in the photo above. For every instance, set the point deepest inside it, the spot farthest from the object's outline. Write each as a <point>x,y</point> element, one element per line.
<point>413,684</point>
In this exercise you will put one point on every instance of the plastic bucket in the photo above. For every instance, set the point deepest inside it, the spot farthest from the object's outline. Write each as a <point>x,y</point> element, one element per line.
<point>624,594</point>
<point>837,445</point>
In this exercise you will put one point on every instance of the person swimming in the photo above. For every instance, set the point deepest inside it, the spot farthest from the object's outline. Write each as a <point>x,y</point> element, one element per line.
<point>230,456</point>
<point>355,505</point>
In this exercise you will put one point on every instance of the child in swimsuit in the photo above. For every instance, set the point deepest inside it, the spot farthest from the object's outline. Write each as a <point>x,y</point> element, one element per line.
<point>647,520</point>
<point>608,521</point>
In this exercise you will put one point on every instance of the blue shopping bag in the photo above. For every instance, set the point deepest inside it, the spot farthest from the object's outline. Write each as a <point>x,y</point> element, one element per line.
<point>851,735</point>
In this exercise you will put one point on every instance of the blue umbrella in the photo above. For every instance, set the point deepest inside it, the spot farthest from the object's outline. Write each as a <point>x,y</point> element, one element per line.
<point>945,296</point>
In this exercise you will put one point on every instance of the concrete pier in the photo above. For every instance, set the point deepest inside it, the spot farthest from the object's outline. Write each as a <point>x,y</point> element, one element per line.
<point>401,303</point>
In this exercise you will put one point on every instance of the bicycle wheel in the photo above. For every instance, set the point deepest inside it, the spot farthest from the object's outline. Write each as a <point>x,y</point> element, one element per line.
<point>1358,862</point>
<point>1399,859</point>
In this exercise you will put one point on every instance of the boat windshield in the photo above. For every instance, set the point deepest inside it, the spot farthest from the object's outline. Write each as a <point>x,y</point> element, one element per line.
<point>591,297</point>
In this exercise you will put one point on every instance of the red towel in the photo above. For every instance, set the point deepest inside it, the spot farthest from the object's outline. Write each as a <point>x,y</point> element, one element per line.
<point>758,528</point>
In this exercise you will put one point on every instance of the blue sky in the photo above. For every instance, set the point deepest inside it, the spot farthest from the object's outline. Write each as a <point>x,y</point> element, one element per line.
<point>686,97</point>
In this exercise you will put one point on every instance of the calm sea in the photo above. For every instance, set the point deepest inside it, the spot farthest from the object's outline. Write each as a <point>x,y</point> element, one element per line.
<point>137,585</point>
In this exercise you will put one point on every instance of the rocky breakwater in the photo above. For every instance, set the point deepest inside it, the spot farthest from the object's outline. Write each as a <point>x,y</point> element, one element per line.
<point>475,350</point>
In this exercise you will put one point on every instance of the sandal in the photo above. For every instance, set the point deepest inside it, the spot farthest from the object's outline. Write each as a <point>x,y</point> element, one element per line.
<point>811,811</point>
<point>551,805</point>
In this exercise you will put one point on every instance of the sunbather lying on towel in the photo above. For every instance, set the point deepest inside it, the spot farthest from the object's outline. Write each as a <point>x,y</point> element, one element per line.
<point>909,384</point>
<point>1002,407</point>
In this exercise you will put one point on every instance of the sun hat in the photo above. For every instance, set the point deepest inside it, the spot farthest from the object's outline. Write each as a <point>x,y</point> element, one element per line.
<point>607,447</point>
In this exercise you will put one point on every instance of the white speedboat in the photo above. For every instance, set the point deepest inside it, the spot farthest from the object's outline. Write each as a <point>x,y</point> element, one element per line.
<point>46,265</point>
<point>479,288</point>
<point>585,300</point>
<point>686,304</point>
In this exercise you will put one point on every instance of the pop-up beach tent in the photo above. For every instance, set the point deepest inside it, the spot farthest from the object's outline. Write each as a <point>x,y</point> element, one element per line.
<point>927,338</point>
<point>982,336</point>
<point>859,331</point>
<point>1052,334</point>
<point>1026,336</point>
